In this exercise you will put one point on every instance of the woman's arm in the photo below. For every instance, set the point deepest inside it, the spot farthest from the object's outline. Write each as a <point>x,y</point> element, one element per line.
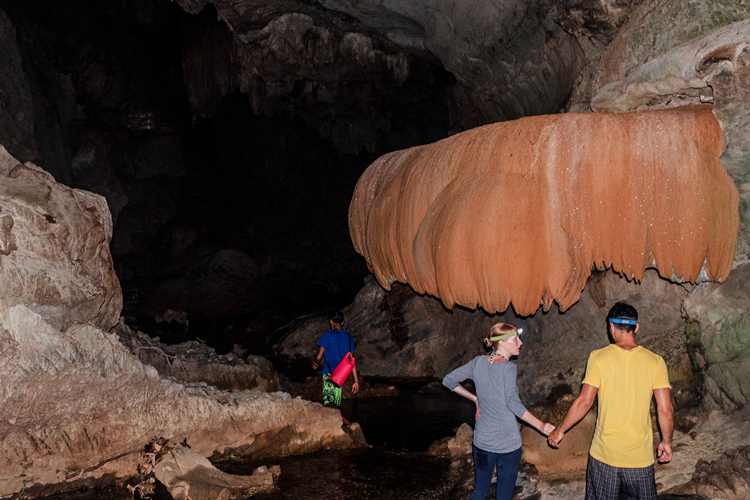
<point>453,382</point>
<point>460,390</point>
<point>543,427</point>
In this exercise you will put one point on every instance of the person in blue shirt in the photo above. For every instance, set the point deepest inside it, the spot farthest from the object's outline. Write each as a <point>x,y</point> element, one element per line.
<point>334,345</point>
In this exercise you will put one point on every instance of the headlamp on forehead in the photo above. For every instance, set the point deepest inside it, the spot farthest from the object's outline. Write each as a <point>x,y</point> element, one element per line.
<point>514,333</point>
<point>620,321</point>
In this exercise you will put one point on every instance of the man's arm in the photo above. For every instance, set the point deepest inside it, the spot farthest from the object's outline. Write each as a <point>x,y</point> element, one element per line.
<point>355,386</point>
<point>666,424</point>
<point>318,358</point>
<point>577,411</point>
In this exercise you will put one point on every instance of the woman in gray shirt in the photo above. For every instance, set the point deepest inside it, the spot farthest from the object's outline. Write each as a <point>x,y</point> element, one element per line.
<point>497,440</point>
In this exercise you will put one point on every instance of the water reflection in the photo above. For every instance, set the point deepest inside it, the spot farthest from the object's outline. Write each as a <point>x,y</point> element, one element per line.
<point>353,475</point>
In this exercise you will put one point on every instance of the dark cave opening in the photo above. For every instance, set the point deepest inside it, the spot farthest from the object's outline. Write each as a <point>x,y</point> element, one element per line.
<point>234,220</point>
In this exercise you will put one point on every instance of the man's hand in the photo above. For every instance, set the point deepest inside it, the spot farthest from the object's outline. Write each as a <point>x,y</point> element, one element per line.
<point>555,437</point>
<point>664,452</point>
<point>476,402</point>
<point>355,387</point>
<point>315,365</point>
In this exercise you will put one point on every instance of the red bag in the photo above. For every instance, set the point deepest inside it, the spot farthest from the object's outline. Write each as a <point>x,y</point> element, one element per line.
<point>342,371</point>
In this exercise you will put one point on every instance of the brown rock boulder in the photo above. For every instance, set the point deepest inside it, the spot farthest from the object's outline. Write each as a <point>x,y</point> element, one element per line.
<point>570,459</point>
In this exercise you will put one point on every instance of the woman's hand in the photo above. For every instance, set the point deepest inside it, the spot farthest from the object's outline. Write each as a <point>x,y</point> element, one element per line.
<point>547,428</point>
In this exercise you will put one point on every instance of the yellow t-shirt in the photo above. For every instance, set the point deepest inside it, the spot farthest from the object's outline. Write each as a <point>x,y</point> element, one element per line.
<point>626,381</point>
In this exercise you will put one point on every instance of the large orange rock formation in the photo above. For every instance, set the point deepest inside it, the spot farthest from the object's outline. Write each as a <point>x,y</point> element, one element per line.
<point>521,212</point>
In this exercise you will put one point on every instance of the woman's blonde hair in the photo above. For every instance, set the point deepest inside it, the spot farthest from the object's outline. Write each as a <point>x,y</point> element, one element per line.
<point>497,330</point>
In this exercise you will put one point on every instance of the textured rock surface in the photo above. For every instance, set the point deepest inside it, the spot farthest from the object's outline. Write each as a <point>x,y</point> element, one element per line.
<point>671,53</point>
<point>332,40</point>
<point>728,477</point>
<point>400,334</point>
<point>194,361</point>
<point>718,337</point>
<point>190,476</point>
<point>72,395</point>
<point>54,253</point>
<point>555,195</point>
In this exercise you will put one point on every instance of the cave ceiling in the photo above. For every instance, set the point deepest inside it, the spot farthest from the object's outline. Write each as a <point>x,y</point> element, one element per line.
<point>509,58</point>
<point>228,135</point>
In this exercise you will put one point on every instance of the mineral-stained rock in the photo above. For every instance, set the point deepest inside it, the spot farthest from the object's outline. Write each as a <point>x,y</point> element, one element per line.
<point>519,212</point>
<point>673,53</point>
<point>190,476</point>
<point>55,249</point>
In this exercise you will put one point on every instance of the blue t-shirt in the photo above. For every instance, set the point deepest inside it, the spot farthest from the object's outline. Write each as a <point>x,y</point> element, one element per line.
<point>336,344</point>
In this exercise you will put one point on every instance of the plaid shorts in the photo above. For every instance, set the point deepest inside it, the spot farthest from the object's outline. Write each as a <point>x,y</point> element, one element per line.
<point>605,482</point>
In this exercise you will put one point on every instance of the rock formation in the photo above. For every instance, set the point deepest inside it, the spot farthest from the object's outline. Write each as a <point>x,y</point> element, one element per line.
<point>72,396</point>
<point>519,212</point>
<point>402,335</point>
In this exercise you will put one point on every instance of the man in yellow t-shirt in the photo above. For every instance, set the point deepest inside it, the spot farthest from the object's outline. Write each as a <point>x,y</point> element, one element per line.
<point>624,375</point>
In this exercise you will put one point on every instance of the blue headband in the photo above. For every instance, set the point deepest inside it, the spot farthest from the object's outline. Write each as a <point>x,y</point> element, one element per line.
<point>619,321</point>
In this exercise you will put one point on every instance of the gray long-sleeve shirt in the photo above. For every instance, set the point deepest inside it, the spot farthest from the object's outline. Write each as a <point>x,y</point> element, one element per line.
<point>497,392</point>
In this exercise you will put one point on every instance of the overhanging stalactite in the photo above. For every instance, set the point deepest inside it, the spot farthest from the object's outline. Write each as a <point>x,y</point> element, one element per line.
<point>519,212</point>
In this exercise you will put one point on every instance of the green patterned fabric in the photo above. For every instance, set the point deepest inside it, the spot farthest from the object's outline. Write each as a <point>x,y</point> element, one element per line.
<point>331,393</point>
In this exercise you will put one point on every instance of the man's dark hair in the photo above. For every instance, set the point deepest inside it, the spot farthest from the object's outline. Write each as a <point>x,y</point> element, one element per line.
<point>336,316</point>
<point>623,310</point>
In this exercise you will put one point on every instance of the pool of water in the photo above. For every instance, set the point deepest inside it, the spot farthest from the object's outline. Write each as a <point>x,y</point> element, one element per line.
<point>411,421</point>
<point>357,474</point>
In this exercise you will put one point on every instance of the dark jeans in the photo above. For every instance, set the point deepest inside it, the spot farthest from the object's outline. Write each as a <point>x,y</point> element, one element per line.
<point>507,470</point>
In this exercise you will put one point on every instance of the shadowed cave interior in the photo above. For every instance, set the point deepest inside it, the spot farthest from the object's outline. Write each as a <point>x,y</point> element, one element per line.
<point>169,275</point>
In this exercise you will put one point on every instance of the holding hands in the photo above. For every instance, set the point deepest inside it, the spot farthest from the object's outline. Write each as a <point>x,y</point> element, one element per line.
<point>555,437</point>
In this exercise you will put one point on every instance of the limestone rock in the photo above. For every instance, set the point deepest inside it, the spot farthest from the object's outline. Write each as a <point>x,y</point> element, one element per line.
<point>194,361</point>
<point>707,442</point>
<point>718,336</point>
<point>190,476</point>
<point>55,249</point>
<point>455,446</point>
<point>728,477</point>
